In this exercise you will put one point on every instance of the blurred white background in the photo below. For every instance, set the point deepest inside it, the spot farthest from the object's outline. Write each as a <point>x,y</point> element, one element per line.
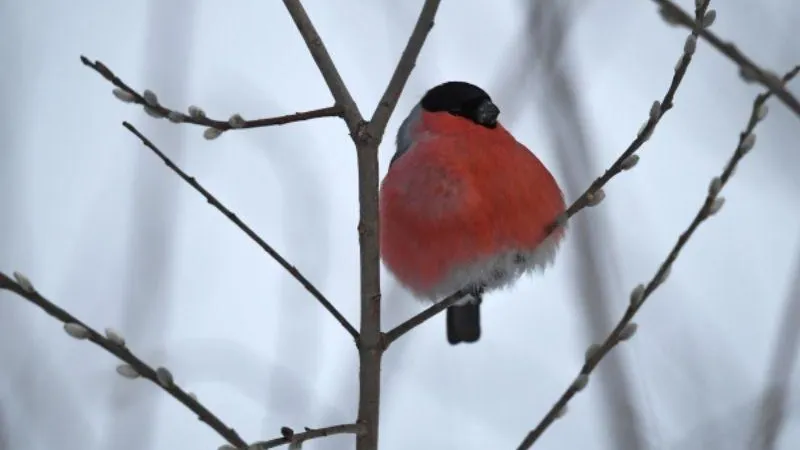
<point>106,231</point>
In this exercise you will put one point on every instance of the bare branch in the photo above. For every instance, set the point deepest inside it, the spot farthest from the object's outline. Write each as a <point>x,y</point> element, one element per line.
<point>311,433</point>
<point>656,113</point>
<point>367,138</point>
<point>351,114</point>
<point>158,110</point>
<point>248,231</point>
<point>116,347</point>
<point>748,69</point>
<point>625,328</point>
<point>417,320</point>
<point>408,60</point>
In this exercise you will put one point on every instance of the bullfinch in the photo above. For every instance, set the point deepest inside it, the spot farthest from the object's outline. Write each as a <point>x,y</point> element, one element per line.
<point>464,206</point>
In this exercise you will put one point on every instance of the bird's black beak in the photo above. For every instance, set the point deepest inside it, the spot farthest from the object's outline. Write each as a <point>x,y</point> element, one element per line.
<point>486,114</point>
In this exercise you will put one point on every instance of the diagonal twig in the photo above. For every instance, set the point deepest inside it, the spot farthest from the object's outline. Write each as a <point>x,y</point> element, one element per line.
<point>657,111</point>
<point>116,347</point>
<point>417,320</point>
<point>749,70</point>
<point>588,198</point>
<point>130,95</point>
<point>247,230</point>
<point>625,328</point>
<point>350,113</point>
<point>311,433</point>
<point>408,60</point>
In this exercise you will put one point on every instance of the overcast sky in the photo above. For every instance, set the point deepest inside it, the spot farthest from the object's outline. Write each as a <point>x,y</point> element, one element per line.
<point>106,231</point>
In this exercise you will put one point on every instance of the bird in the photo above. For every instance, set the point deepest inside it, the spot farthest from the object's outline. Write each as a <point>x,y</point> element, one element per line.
<point>465,207</point>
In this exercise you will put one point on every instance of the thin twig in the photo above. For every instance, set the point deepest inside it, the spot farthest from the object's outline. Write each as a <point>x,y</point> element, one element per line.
<point>749,69</point>
<point>351,114</point>
<point>418,319</point>
<point>640,294</point>
<point>247,230</point>
<point>122,352</point>
<point>408,60</point>
<point>583,201</point>
<point>645,133</point>
<point>222,125</point>
<point>310,433</point>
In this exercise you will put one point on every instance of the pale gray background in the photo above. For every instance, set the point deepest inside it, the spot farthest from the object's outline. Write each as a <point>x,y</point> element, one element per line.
<point>106,231</point>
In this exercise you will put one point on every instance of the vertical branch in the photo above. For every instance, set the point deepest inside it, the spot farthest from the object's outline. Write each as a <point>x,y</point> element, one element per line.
<point>367,138</point>
<point>372,344</point>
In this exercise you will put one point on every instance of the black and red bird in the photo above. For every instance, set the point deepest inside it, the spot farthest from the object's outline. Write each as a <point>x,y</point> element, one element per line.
<point>464,205</point>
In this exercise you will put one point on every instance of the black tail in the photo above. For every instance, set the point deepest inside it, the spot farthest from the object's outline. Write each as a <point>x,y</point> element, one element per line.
<point>464,322</point>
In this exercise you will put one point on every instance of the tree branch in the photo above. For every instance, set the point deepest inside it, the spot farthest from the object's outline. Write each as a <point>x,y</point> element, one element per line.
<point>367,138</point>
<point>417,320</point>
<point>116,346</point>
<point>408,60</point>
<point>657,111</point>
<point>351,114</point>
<point>127,94</point>
<point>310,433</point>
<point>248,231</point>
<point>625,328</point>
<point>749,70</point>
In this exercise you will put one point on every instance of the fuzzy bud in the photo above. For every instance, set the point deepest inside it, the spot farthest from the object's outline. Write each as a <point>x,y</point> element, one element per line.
<point>24,282</point>
<point>762,111</point>
<point>628,331</point>
<point>630,162</point>
<point>709,18</point>
<point>637,294</point>
<point>150,97</point>
<point>669,16</point>
<point>127,371</point>
<point>113,336</point>
<point>76,330</point>
<point>164,377</point>
<point>715,186</point>
<point>236,121</point>
<point>748,74</point>
<point>716,205</point>
<point>594,198</point>
<point>591,351</point>
<point>580,382</point>
<point>747,143</point>
<point>195,112</point>
<point>123,96</point>
<point>153,112</point>
<point>690,46</point>
<point>212,133</point>
<point>176,117</point>
<point>655,110</point>
<point>645,131</point>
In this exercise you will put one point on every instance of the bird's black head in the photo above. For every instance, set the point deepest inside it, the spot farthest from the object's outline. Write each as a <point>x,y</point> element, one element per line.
<point>462,99</point>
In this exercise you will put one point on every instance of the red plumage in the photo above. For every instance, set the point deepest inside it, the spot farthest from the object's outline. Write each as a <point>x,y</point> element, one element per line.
<point>461,197</point>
